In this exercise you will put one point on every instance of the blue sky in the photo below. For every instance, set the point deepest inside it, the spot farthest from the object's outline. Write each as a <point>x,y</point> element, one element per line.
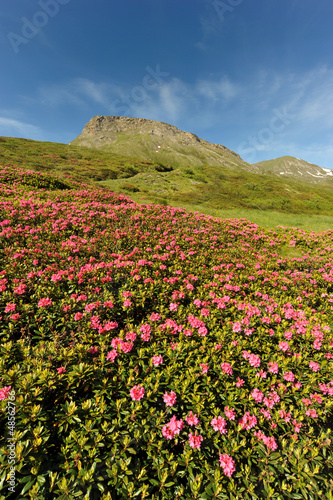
<point>253,75</point>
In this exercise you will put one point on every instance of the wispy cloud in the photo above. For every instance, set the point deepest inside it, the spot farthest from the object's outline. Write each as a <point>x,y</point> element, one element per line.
<point>239,108</point>
<point>173,97</point>
<point>215,90</point>
<point>9,126</point>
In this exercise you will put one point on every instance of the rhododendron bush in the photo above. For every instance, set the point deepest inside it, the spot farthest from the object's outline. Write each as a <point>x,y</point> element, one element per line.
<point>157,353</point>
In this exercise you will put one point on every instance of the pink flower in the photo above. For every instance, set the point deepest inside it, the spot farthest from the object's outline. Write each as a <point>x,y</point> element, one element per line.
<point>127,303</point>
<point>126,346</point>
<point>157,360</point>
<point>202,330</point>
<point>116,341</point>
<point>236,327</point>
<point>307,401</point>
<point>297,426</point>
<point>78,316</point>
<point>317,397</point>
<point>240,382</point>
<point>111,356</point>
<point>315,367</point>
<point>93,350</point>
<point>219,424</point>
<point>289,376</point>
<point>286,416</point>
<point>317,344</point>
<point>284,346</point>
<point>167,432</point>
<point>10,307</point>
<point>192,419</point>
<point>108,303</point>
<point>21,289</point>
<point>270,442</point>
<point>130,336</point>
<point>257,395</point>
<point>288,335</point>
<point>155,317</point>
<point>248,421</point>
<point>227,464</point>
<point>173,306</point>
<point>169,399</point>
<point>61,370</point>
<point>204,367</point>
<point>110,325</point>
<point>226,367</point>
<point>229,413</point>
<point>266,413</point>
<point>172,428</point>
<point>45,302</point>
<point>137,392</point>
<point>254,360</point>
<point>145,328</point>
<point>195,440</point>
<point>273,367</point>
<point>4,392</point>
<point>311,413</point>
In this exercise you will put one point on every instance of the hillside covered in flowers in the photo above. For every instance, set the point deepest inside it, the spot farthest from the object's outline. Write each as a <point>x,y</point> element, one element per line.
<point>150,352</point>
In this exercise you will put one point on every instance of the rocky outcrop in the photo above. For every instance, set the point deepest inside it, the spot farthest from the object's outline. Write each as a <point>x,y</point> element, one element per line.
<point>153,140</point>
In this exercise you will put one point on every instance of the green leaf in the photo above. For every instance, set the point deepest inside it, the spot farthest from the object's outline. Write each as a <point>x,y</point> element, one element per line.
<point>27,486</point>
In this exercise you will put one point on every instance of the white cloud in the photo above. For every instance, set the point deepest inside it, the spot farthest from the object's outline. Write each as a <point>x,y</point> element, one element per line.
<point>9,126</point>
<point>216,90</point>
<point>216,107</point>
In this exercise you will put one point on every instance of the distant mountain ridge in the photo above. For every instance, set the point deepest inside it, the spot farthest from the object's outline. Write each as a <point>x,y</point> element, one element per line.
<point>288,166</point>
<point>164,143</point>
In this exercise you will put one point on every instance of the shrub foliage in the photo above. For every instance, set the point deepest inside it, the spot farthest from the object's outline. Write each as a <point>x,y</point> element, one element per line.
<point>155,353</point>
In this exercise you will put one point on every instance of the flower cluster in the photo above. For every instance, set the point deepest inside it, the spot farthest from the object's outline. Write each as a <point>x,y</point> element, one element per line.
<point>187,334</point>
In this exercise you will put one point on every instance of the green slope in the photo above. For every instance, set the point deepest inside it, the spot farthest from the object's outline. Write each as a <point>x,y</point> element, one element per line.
<point>155,141</point>
<point>290,167</point>
<point>215,190</point>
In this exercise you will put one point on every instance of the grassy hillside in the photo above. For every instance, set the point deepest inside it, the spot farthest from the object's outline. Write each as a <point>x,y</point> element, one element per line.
<point>165,150</point>
<point>149,352</point>
<point>155,141</point>
<point>214,190</point>
<point>294,168</point>
<point>153,353</point>
<point>78,163</point>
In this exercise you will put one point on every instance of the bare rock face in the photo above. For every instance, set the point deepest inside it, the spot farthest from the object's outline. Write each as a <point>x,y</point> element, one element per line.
<point>153,140</point>
<point>115,124</point>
